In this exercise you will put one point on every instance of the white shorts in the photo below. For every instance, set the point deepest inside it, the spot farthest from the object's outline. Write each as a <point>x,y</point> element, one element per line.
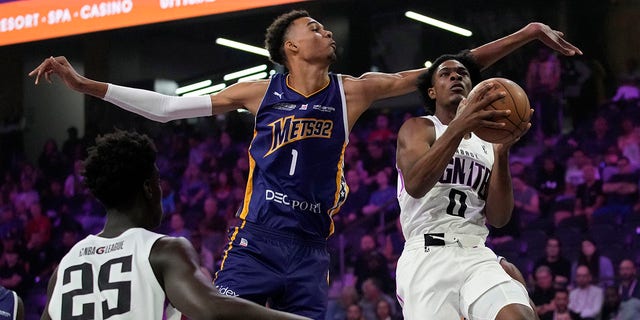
<point>443,282</point>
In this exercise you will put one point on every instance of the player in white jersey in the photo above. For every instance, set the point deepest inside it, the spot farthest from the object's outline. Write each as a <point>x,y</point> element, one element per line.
<point>450,184</point>
<point>127,271</point>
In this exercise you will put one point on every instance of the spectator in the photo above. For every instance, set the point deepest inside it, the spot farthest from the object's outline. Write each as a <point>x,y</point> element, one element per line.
<point>589,195</point>
<point>358,198</point>
<point>598,140</point>
<point>561,307</point>
<point>177,227</point>
<point>543,81</point>
<point>629,141</point>
<point>627,90</point>
<point>628,280</point>
<point>194,189</point>
<point>338,308</point>
<point>600,266</point>
<point>384,311</point>
<point>382,201</point>
<point>74,189</point>
<point>616,309</point>
<point>371,263</point>
<point>560,267</point>
<point>206,256</point>
<point>354,312</point>
<point>549,183</point>
<point>13,271</point>
<point>371,295</point>
<point>586,299</point>
<point>73,147</point>
<point>381,132</point>
<point>51,161</point>
<point>621,191</point>
<point>543,291</point>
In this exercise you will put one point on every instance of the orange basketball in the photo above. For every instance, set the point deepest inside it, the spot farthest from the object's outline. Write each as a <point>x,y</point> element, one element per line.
<point>515,100</point>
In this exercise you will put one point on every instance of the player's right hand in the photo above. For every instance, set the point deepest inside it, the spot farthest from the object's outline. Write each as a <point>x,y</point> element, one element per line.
<point>471,111</point>
<point>60,67</point>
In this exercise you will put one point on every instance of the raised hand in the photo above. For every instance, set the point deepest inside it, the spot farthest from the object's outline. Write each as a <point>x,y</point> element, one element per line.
<point>60,67</point>
<point>471,111</point>
<point>553,39</point>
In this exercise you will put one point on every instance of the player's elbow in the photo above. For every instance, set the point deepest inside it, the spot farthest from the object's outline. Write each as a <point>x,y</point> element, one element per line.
<point>498,220</point>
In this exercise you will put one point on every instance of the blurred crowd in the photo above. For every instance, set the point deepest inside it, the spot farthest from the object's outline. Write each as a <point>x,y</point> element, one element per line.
<point>574,232</point>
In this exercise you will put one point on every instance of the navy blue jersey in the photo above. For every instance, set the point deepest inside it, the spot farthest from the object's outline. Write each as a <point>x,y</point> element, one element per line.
<point>296,180</point>
<point>8,304</point>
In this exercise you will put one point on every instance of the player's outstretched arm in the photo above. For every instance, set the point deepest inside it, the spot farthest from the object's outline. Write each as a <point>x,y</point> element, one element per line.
<point>150,104</point>
<point>175,264</point>
<point>488,54</point>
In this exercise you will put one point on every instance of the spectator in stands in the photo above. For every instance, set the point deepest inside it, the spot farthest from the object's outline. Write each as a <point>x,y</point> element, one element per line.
<point>598,140</point>
<point>371,294</point>
<point>600,266</point>
<point>589,195</point>
<point>586,298</point>
<point>382,132</point>
<point>549,183</point>
<point>526,203</point>
<point>177,227</point>
<point>51,161</point>
<point>73,147</point>
<point>629,141</point>
<point>628,280</point>
<point>627,91</point>
<point>543,291</point>
<point>621,190</point>
<point>13,271</point>
<point>543,83</point>
<point>354,312</point>
<point>74,189</point>
<point>616,308</point>
<point>559,265</point>
<point>358,198</point>
<point>337,308</point>
<point>383,199</point>
<point>371,263</point>
<point>206,256</point>
<point>609,164</point>
<point>561,307</point>
<point>384,311</point>
<point>194,188</point>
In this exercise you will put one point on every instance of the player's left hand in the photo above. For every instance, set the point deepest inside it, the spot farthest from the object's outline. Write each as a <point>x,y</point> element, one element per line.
<point>553,39</point>
<point>501,147</point>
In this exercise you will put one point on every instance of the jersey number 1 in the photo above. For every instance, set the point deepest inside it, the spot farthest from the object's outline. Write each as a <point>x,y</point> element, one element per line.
<point>123,303</point>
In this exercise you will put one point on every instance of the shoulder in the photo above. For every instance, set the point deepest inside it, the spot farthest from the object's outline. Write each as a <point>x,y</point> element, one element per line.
<point>416,125</point>
<point>166,249</point>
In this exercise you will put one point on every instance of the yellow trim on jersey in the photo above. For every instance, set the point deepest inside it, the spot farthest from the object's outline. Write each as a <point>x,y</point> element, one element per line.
<point>249,190</point>
<point>226,252</point>
<point>336,198</point>
<point>302,94</point>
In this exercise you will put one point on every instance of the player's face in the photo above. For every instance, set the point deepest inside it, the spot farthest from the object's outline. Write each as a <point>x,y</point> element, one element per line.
<point>311,40</point>
<point>451,83</point>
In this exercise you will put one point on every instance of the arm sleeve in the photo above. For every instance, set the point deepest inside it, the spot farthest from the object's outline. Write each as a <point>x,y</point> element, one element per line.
<point>156,106</point>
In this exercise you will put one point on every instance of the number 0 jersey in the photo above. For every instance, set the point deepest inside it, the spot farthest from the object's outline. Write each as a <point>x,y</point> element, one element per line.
<point>296,181</point>
<point>110,278</point>
<point>456,202</point>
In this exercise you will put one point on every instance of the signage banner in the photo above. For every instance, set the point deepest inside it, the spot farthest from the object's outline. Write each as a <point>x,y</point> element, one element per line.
<point>31,20</point>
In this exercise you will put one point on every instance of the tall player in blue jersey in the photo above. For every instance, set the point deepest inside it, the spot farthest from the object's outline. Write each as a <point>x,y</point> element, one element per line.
<point>296,184</point>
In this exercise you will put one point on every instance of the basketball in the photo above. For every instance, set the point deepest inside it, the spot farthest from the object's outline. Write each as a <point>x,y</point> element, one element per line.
<point>515,100</point>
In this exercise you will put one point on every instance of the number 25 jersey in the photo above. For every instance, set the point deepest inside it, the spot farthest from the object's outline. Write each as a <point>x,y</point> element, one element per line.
<point>296,181</point>
<point>108,278</point>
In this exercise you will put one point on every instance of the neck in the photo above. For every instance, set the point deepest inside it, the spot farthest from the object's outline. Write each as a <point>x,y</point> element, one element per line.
<point>307,78</point>
<point>445,114</point>
<point>116,223</point>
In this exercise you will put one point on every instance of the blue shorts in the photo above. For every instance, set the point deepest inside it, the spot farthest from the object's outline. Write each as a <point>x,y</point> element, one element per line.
<point>287,271</point>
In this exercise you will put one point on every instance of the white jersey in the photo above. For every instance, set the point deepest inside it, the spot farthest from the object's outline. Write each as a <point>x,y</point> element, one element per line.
<point>456,202</point>
<point>110,278</point>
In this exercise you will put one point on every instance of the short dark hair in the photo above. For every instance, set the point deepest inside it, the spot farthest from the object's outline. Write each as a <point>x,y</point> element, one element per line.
<point>425,80</point>
<point>274,38</point>
<point>117,166</point>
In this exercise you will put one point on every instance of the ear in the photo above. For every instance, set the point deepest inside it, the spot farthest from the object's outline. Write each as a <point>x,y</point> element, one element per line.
<point>147,189</point>
<point>289,45</point>
<point>431,92</point>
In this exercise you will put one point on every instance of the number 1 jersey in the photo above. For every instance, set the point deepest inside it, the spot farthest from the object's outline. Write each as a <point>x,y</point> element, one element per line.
<point>110,278</point>
<point>296,180</point>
